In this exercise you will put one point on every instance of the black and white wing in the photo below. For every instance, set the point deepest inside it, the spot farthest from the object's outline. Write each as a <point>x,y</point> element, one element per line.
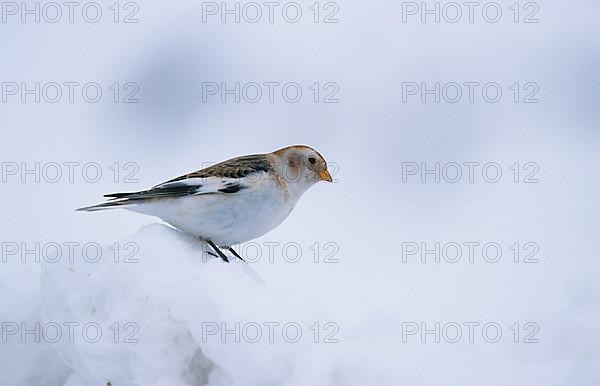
<point>227,177</point>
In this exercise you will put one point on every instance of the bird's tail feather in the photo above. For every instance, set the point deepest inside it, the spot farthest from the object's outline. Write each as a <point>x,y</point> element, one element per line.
<point>105,205</point>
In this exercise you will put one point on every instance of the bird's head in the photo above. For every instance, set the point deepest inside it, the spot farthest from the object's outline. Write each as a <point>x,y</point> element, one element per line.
<point>301,164</point>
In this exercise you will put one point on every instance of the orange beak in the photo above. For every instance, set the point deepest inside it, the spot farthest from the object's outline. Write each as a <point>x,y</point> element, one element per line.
<point>325,176</point>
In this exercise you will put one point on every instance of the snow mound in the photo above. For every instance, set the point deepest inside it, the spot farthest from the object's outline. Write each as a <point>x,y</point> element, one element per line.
<point>173,315</point>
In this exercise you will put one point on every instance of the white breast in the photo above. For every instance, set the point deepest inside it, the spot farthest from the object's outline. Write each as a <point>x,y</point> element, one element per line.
<point>225,219</point>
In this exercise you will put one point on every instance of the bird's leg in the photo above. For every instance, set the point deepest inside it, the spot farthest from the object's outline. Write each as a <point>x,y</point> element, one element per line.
<point>219,252</point>
<point>208,252</point>
<point>236,254</point>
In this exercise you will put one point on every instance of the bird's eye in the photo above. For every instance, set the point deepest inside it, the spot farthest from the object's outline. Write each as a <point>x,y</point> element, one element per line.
<point>312,160</point>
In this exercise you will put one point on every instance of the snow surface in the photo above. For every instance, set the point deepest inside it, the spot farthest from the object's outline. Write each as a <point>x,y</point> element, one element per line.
<point>172,293</point>
<point>175,291</point>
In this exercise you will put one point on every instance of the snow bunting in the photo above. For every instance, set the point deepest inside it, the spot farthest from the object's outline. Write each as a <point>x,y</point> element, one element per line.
<point>233,201</point>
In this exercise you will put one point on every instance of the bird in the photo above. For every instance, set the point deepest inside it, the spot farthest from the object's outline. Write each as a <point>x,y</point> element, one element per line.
<point>233,201</point>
